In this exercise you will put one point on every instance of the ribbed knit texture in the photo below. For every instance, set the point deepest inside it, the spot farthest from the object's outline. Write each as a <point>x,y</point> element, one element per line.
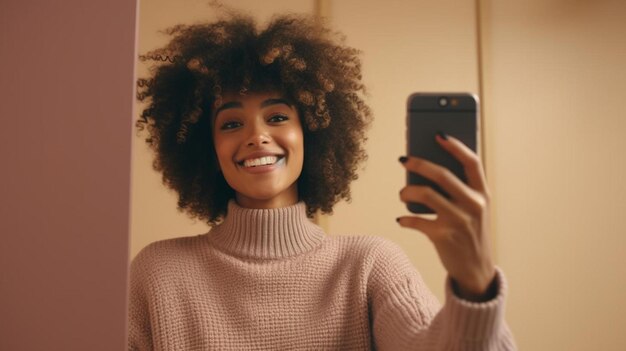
<point>272,280</point>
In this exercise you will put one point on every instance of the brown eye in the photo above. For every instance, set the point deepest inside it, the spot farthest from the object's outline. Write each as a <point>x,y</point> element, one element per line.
<point>230,125</point>
<point>278,118</point>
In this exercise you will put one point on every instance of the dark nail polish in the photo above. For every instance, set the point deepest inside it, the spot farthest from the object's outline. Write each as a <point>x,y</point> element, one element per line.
<point>398,219</point>
<point>403,159</point>
<point>442,135</point>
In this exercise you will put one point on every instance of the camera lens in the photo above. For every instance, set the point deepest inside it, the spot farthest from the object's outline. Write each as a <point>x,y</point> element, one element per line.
<point>443,101</point>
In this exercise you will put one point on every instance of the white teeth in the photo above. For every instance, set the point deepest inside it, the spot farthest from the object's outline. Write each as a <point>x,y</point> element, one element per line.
<point>261,161</point>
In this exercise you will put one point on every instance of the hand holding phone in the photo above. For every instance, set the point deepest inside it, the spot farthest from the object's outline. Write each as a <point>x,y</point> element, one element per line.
<point>460,231</point>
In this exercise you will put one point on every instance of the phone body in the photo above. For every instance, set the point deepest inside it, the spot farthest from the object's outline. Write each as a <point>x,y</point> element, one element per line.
<point>454,114</point>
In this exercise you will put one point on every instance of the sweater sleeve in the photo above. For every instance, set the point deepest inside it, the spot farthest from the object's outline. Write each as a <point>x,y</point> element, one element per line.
<point>139,327</point>
<point>406,316</point>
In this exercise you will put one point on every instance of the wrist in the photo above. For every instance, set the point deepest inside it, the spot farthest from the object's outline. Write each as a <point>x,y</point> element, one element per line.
<point>476,292</point>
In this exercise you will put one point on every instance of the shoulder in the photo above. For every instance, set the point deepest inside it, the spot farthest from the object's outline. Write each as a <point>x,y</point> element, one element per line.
<point>386,266</point>
<point>164,249</point>
<point>362,242</point>
<point>373,246</point>
<point>376,254</point>
<point>177,244</point>
<point>163,256</point>
<point>366,246</point>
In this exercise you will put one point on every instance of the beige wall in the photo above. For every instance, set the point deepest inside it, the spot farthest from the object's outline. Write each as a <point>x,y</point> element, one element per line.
<point>66,91</point>
<point>555,80</point>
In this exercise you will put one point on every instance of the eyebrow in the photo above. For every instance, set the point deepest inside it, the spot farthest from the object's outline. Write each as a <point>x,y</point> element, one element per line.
<point>270,102</point>
<point>232,104</point>
<point>266,103</point>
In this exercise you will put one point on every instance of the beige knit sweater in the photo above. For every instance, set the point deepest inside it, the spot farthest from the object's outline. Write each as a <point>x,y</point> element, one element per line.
<point>272,280</point>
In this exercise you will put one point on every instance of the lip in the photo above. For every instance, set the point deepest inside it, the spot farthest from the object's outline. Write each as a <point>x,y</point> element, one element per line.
<point>261,169</point>
<point>258,154</point>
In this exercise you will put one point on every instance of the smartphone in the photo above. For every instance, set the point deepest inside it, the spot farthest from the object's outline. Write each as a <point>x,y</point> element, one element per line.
<point>454,114</point>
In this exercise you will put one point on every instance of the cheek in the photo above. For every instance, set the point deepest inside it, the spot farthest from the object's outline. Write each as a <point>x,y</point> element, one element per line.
<point>296,141</point>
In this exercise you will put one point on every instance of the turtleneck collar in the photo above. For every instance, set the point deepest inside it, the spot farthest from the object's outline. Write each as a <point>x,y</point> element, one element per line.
<point>266,233</point>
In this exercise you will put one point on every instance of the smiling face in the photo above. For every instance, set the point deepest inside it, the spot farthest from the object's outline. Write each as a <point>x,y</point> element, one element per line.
<point>259,145</point>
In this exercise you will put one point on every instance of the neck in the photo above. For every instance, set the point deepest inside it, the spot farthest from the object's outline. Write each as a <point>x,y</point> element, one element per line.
<point>266,233</point>
<point>288,197</point>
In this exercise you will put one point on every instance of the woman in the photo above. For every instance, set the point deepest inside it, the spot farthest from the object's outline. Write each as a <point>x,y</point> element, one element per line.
<point>257,131</point>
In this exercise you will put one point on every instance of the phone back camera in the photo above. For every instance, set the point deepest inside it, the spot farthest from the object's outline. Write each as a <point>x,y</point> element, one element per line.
<point>443,101</point>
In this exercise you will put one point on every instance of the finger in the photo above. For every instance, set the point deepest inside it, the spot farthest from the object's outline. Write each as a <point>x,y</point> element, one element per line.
<point>469,159</point>
<point>426,226</point>
<point>428,196</point>
<point>443,177</point>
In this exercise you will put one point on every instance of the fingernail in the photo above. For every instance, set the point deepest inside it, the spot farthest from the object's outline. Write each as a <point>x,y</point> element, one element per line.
<point>442,135</point>
<point>403,159</point>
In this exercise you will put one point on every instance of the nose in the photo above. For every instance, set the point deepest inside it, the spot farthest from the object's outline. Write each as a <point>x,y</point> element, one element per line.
<point>259,135</point>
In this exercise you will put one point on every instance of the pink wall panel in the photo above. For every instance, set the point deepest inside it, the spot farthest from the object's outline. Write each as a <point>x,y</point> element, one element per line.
<point>66,91</point>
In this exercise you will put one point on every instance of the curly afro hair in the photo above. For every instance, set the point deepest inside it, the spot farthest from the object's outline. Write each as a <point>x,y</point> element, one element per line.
<point>293,55</point>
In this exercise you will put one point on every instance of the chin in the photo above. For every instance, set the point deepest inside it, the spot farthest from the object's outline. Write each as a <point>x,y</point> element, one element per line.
<point>281,196</point>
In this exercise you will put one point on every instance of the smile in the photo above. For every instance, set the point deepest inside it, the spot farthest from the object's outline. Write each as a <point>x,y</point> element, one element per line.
<point>260,161</point>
